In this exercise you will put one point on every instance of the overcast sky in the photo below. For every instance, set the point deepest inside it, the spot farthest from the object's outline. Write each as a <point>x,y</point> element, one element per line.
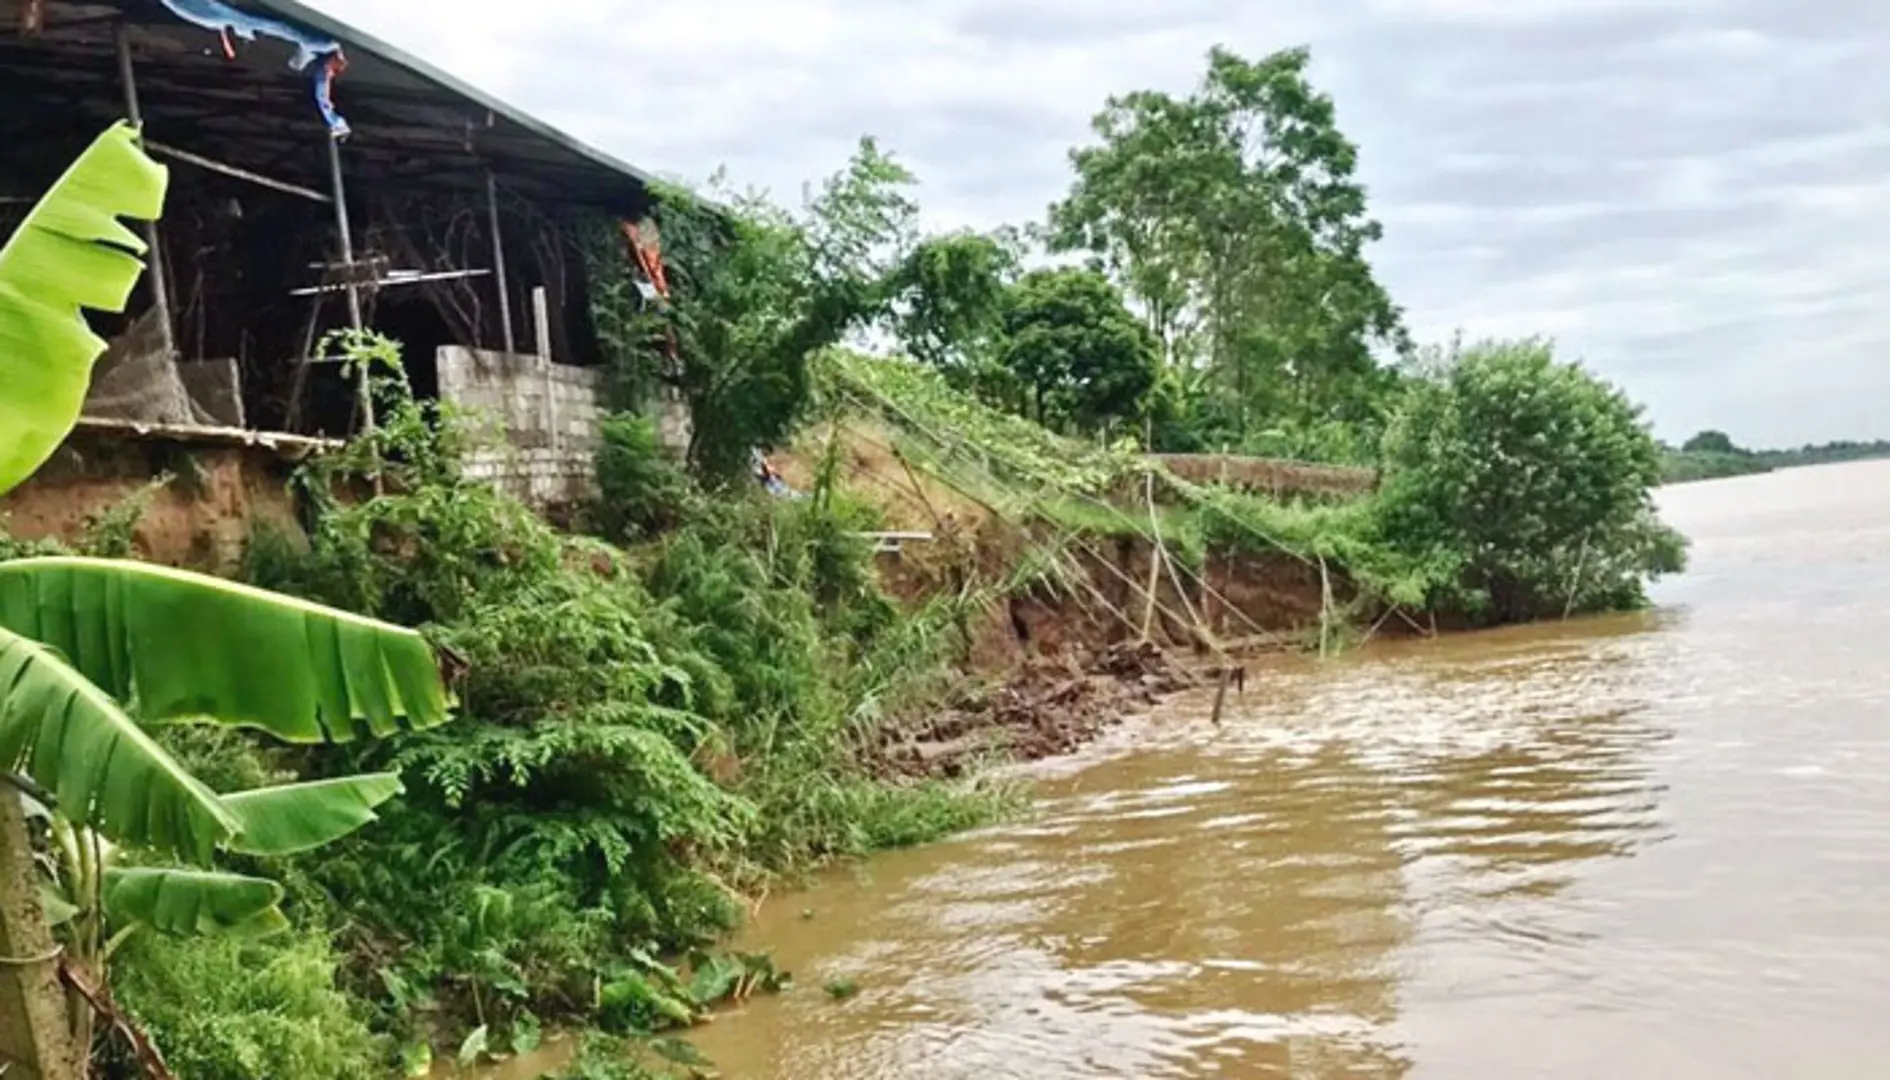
<point>1691,195</point>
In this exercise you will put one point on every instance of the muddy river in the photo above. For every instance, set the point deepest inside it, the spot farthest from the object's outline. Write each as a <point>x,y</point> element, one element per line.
<point>1655,846</point>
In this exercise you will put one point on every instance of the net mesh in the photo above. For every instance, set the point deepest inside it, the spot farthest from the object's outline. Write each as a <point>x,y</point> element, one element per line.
<point>139,380</point>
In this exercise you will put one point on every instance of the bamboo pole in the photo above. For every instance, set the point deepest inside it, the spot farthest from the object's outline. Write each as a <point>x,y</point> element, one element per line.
<point>1220,693</point>
<point>1154,569</point>
<point>344,231</point>
<point>1325,606</point>
<point>159,272</point>
<point>498,264</point>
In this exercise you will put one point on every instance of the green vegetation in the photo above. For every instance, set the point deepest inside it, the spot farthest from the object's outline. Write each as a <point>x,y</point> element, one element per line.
<point>1712,455</point>
<point>71,253</point>
<point>1234,218</point>
<point>1077,356</point>
<point>1830,453</point>
<point>688,700</point>
<point>97,656</point>
<point>1524,484</point>
<point>233,1006</point>
<point>645,735</point>
<point>757,291</point>
<point>1513,487</point>
<point>642,490</point>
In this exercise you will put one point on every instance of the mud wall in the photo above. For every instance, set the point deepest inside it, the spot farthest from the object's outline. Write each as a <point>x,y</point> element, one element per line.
<point>1253,600</point>
<point>1101,597</point>
<point>200,518</point>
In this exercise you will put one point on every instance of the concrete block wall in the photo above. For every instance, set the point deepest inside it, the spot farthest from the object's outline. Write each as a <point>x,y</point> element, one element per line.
<point>507,391</point>
<point>673,424</point>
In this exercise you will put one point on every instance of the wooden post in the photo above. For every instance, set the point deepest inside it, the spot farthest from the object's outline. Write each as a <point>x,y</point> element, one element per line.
<point>498,264</point>
<point>541,313</point>
<point>36,1040</point>
<point>1154,565</point>
<point>344,229</point>
<point>33,18</point>
<point>160,274</point>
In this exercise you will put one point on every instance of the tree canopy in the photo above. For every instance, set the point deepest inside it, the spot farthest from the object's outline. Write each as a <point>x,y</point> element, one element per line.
<point>1711,442</point>
<point>1234,220</point>
<point>1533,478</point>
<point>1078,356</point>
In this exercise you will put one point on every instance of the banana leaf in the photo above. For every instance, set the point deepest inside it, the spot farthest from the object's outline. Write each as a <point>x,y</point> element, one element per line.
<point>295,818</point>
<point>186,647</point>
<point>104,771</point>
<point>188,903</point>
<point>59,910</point>
<point>71,253</point>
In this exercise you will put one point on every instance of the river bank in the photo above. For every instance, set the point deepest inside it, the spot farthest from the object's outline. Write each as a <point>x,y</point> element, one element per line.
<point>1634,846</point>
<point>660,724</point>
<point>666,715</point>
<point>677,690</point>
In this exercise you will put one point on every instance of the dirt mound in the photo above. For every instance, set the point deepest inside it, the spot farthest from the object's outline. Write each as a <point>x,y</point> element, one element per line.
<point>1049,706</point>
<point>1269,475</point>
<point>871,468</point>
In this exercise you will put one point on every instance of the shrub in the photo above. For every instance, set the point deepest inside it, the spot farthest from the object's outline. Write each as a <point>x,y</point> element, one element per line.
<point>642,489</point>
<point>1530,480</point>
<point>635,728</point>
<point>236,1009</point>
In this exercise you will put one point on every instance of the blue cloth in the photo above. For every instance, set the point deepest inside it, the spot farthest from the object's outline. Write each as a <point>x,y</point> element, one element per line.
<point>325,98</point>
<point>310,48</point>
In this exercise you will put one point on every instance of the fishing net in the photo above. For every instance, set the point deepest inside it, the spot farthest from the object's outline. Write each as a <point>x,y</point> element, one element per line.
<point>139,380</point>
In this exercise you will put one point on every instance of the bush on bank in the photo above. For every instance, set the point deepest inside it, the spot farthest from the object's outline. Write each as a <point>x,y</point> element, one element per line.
<point>1525,483</point>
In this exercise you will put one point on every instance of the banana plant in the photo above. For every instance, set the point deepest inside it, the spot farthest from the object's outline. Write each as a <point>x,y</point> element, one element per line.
<point>97,654</point>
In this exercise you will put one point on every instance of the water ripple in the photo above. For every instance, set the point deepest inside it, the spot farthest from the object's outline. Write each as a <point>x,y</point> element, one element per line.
<point>1647,846</point>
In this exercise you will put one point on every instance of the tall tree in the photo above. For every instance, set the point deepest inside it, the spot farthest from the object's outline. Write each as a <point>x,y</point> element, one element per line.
<point>1711,442</point>
<point>948,298</point>
<point>1235,220</point>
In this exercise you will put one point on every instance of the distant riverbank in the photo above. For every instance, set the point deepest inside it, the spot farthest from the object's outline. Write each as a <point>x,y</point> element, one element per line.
<point>1711,456</point>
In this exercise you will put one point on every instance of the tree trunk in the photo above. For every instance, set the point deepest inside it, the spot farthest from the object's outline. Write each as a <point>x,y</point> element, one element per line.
<point>35,1040</point>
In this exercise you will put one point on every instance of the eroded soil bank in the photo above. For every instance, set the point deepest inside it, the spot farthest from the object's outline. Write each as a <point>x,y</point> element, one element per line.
<point>1052,665</point>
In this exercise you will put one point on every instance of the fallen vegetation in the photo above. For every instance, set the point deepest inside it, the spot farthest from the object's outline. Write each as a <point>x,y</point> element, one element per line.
<point>704,691</point>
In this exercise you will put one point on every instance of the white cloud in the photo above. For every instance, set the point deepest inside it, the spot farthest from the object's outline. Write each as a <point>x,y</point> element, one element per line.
<point>1688,193</point>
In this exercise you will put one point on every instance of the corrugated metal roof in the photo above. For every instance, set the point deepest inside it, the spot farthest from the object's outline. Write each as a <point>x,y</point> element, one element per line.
<point>415,126</point>
<point>358,42</point>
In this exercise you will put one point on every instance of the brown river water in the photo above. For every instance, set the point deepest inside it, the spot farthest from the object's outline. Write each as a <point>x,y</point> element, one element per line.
<point>1654,846</point>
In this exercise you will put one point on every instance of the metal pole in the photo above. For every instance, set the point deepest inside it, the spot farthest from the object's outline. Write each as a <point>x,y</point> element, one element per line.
<point>346,232</point>
<point>498,263</point>
<point>160,277</point>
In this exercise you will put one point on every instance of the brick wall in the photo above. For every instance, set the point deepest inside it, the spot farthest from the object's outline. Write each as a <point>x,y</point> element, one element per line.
<point>545,466</point>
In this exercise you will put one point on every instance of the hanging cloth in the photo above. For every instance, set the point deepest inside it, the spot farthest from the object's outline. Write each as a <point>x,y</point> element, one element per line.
<point>649,256</point>
<point>312,50</point>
